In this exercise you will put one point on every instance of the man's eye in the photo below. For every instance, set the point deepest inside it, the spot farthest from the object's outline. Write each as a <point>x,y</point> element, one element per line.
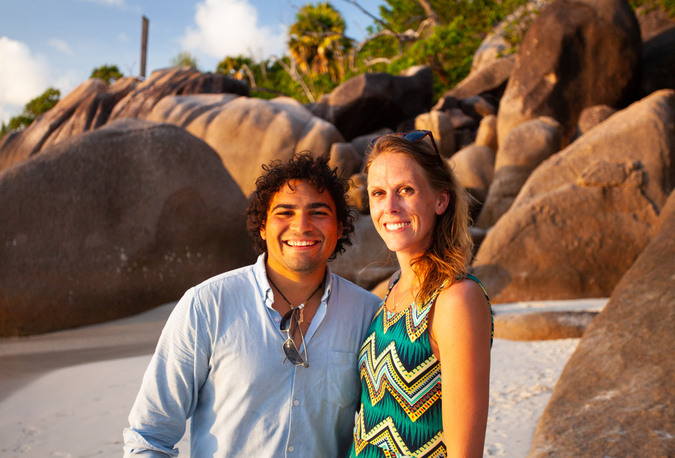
<point>376,193</point>
<point>407,190</point>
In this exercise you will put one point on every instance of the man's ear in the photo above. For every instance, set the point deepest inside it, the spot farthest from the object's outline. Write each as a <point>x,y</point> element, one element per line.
<point>442,202</point>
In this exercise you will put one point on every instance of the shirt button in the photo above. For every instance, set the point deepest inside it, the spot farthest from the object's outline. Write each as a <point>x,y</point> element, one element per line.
<point>291,448</point>
<point>296,403</point>
<point>276,319</point>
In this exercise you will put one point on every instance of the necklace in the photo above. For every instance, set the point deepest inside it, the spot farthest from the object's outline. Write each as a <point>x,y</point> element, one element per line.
<point>396,304</point>
<point>301,307</point>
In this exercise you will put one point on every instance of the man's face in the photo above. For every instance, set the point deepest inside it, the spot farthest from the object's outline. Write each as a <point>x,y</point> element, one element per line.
<point>302,229</point>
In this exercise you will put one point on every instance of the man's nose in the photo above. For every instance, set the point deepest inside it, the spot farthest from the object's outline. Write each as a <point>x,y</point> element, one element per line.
<point>301,222</point>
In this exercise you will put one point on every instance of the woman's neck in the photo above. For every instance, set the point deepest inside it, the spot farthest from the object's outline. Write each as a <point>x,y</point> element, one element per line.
<point>407,277</point>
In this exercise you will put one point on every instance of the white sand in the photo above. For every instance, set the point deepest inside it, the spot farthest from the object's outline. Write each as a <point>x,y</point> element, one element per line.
<point>80,411</point>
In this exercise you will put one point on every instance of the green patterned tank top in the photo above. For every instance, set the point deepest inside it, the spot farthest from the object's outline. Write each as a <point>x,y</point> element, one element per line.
<point>400,412</point>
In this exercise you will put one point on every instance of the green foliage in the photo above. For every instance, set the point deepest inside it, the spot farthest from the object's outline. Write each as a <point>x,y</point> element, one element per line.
<point>324,59</point>
<point>448,47</point>
<point>317,41</point>
<point>666,5</point>
<point>267,78</point>
<point>108,73</point>
<point>184,59</point>
<point>31,111</point>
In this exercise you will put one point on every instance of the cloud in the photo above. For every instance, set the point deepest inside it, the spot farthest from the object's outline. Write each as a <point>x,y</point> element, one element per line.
<point>61,46</point>
<point>23,76</point>
<point>229,28</point>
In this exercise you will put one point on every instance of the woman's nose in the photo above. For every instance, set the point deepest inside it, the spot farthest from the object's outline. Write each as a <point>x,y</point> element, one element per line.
<point>391,204</point>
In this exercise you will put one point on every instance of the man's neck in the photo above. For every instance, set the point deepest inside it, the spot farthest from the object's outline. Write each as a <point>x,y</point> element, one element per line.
<point>297,286</point>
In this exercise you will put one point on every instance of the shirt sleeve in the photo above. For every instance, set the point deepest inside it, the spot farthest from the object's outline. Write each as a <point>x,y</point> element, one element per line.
<point>168,394</point>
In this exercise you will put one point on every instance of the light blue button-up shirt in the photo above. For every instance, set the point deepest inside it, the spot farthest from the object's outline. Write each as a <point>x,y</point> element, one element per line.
<point>219,362</point>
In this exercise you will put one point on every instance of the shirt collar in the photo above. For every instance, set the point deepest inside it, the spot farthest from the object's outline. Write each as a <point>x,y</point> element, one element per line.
<point>260,274</point>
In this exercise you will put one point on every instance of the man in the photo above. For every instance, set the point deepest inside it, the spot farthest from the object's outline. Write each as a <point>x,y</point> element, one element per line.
<point>263,359</point>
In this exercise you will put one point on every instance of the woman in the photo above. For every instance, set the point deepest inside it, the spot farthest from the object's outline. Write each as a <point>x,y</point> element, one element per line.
<point>433,331</point>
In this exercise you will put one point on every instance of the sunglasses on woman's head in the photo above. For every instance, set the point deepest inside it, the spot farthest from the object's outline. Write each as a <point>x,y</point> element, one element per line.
<point>412,136</point>
<point>290,350</point>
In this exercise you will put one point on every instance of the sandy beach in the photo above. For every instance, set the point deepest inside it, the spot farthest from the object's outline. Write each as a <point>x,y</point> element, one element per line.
<point>68,394</point>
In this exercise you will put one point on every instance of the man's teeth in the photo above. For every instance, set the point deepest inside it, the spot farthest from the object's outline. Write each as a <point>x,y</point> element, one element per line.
<point>301,243</point>
<point>393,227</point>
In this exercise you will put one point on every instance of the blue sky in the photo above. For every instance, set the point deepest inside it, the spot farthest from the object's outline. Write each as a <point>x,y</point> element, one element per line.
<point>58,43</point>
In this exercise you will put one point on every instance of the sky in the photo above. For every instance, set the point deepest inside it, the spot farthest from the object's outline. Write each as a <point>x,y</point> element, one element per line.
<point>57,43</point>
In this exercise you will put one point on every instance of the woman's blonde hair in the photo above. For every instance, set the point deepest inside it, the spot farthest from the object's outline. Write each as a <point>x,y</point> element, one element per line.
<point>449,254</point>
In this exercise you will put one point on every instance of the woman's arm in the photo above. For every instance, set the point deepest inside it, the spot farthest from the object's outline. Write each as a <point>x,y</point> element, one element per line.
<point>460,338</point>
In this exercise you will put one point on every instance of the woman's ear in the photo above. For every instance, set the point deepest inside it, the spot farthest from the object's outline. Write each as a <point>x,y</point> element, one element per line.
<point>442,202</point>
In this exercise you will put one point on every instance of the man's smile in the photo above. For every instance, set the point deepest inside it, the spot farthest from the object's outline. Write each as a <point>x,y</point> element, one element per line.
<point>301,243</point>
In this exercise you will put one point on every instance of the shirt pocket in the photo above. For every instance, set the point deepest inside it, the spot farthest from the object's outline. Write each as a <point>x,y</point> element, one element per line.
<point>342,383</point>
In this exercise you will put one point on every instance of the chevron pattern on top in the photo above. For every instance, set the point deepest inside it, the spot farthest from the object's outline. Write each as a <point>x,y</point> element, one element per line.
<point>415,390</point>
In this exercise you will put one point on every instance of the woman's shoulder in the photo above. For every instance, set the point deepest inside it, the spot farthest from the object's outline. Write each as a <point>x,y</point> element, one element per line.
<point>462,309</point>
<point>462,293</point>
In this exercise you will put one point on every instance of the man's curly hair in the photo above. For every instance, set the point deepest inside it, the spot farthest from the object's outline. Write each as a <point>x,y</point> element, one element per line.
<point>317,172</point>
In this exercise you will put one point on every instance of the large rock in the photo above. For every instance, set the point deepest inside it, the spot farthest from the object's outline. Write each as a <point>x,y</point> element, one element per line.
<point>523,149</point>
<point>576,54</point>
<point>368,261</point>
<point>486,134</point>
<point>547,325</point>
<point>93,103</point>
<point>615,395</point>
<point>442,128</point>
<point>585,213</point>
<point>474,168</point>
<point>644,132</point>
<point>86,107</point>
<point>248,132</point>
<point>94,111</point>
<point>371,101</point>
<point>174,81</point>
<point>490,79</point>
<point>505,38</point>
<point>114,222</point>
<point>592,116</point>
<point>658,62</point>
<point>575,241</point>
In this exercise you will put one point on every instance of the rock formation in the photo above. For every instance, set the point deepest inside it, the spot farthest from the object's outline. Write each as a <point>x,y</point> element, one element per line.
<point>615,396</point>
<point>114,222</point>
<point>374,100</point>
<point>558,71</point>
<point>248,132</point>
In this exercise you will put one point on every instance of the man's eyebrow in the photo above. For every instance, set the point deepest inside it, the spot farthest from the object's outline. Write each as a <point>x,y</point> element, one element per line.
<point>312,206</point>
<point>316,205</point>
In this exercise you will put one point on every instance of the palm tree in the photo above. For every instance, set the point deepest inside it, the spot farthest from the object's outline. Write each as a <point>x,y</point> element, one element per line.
<point>317,41</point>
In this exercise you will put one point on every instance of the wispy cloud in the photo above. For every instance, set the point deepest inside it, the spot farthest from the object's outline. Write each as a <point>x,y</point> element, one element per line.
<point>24,77</point>
<point>61,46</point>
<point>229,28</point>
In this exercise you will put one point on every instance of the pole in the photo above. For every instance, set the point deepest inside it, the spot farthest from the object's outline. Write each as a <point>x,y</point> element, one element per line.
<point>144,45</point>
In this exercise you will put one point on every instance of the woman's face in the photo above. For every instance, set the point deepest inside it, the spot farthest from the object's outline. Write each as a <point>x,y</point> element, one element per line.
<point>403,205</point>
